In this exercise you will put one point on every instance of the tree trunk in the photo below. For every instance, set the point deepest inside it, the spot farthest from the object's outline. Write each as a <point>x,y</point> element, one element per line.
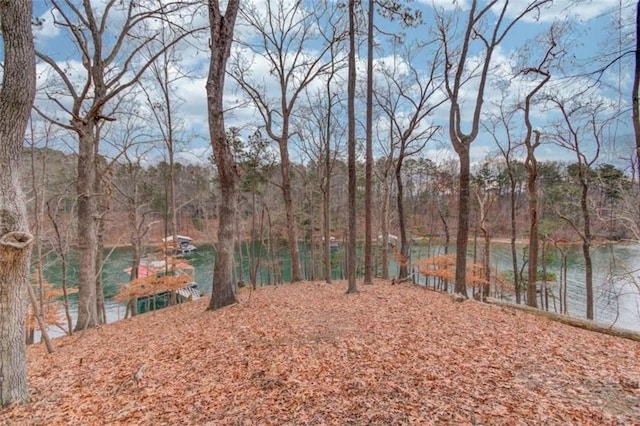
<point>16,99</point>
<point>87,230</point>
<point>462,239</point>
<point>586,247</point>
<point>368,268</point>
<point>351,93</point>
<point>447,240</point>
<point>532,275</point>
<point>514,252</point>
<point>384,219</point>
<point>292,233</point>
<point>636,87</point>
<point>104,208</point>
<point>326,191</point>
<point>326,229</point>
<point>221,36</point>
<point>404,244</point>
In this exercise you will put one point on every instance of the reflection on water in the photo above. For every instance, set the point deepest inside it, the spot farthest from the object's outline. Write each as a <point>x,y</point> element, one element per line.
<point>615,268</point>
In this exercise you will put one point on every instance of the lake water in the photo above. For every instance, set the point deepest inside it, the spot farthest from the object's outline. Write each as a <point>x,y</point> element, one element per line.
<point>616,276</point>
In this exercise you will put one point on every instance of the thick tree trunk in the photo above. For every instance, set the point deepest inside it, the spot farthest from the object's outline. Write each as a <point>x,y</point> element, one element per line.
<point>87,230</point>
<point>221,36</point>
<point>292,233</point>
<point>462,239</point>
<point>16,99</point>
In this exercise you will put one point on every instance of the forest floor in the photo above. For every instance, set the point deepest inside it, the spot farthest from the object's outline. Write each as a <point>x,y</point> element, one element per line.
<point>308,353</point>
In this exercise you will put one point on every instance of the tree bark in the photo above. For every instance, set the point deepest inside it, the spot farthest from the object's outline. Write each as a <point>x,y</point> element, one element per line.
<point>532,274</point>
<point>326,194</point>
<point>87,229</point>
<point>384,224</point>
<point>221,37</point>
<point>368,248</point>
<point>351,93</point>
<point>403,270</point>
<point>292,233</point>
<point>16,99</point>
<point>514,252</point>
<point>636,87</point>
<point>462,237</point>
<point>586,242</point>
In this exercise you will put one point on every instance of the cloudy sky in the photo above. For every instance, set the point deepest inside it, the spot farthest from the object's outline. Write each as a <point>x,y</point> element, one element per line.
<point>594,35</point>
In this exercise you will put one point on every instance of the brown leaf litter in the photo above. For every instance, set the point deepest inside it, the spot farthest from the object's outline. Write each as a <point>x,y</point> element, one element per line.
<point>308,353</point>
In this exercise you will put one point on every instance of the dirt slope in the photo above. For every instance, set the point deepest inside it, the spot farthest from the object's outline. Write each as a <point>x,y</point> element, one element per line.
<point>310,354</point>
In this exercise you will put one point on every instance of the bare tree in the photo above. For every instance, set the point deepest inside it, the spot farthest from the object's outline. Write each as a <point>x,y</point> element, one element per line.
<point>163,102</point>
<point>581,129</point>
<point>16,99</point>
<point>485,188</point>
<point>484,32</point>
<point>390,9</point>
<point>86,98</point>
<point>508,148</point>
<point>322,136</point>
<point>128,183</point>
<point>298,46</point>
<point>221,26</point>
<point>540,72</point>
<point>408,99</point>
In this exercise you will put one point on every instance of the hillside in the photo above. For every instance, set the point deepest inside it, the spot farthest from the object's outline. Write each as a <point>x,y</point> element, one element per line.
<point>309,354</point>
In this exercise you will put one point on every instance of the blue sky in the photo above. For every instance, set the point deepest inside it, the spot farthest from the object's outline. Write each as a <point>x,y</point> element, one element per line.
<point>593,32</point>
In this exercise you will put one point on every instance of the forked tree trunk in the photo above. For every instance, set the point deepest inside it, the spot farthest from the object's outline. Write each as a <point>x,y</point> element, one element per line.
<point>16,99</point>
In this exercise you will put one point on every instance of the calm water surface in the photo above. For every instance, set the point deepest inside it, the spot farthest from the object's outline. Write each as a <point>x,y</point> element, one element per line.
<point>616,277</point>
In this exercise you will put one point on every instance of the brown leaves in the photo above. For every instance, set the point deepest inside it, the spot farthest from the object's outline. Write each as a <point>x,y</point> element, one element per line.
<point>157,275</point>
<point>310,354</point>
<point>444,266</point>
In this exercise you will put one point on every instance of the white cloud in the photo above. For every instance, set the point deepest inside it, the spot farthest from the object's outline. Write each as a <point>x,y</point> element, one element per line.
<point>579,10</point>
<point>47,30</point>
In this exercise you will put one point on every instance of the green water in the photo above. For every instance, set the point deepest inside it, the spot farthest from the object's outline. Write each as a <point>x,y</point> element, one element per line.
<point>616,275</point>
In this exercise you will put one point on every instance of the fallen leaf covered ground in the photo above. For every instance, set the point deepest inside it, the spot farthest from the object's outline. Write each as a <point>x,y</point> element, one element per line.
<point>308,353</point>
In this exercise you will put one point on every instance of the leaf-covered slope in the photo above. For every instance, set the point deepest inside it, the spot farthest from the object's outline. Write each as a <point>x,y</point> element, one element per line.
<point>310,354</point>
